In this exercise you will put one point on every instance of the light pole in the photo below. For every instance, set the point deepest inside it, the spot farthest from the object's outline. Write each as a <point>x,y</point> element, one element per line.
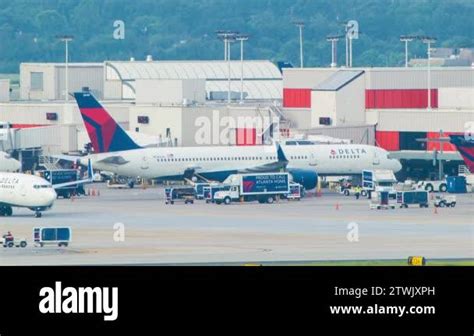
<point>428,41</point>
<point>441,166</point>
<point>66,39</point>
<point>300,25</point>
<point>333,40</point>
<point>228,37</point>
<point>346,37</point>
<point>242,38</point>
<point>406,39</point>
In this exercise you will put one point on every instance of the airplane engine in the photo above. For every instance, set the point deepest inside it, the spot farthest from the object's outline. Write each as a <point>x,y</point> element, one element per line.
<point>307,178</point>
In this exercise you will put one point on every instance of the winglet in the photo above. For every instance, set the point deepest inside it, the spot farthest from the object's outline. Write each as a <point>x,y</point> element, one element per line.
<point>280,154</point>
<point>90,171</point>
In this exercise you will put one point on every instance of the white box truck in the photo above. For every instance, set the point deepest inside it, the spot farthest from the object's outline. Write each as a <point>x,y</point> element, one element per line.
<point>261,187</point>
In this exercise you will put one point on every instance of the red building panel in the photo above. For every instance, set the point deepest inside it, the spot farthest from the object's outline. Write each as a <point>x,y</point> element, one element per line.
<point>389,140</point>
<point>410,98</point>
<point>246,137</point>
<point>299,98</point>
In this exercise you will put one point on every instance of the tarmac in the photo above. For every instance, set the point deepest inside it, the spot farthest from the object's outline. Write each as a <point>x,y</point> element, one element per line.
<point>329,227</point>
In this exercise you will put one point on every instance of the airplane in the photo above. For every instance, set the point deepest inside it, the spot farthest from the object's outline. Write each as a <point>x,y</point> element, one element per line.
<point>116,152</point>
<point>31,191</point>
<point>8,164</point>
<point>465,147</point>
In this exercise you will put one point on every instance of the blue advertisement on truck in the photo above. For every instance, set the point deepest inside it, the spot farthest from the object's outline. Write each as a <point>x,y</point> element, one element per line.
<point>265,183</point>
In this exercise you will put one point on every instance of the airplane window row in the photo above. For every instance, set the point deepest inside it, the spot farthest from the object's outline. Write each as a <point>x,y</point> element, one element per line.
<point>298,157</point>
<point>237,158</point>
<point>344,157</point>
<point>7,186</point>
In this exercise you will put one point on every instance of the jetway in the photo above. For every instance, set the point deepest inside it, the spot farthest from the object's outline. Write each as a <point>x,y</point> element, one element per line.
<point>54,139</point>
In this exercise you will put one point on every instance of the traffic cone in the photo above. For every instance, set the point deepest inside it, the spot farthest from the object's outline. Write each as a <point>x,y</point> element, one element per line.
<point>337,206</point>
<point>93,192</point>
<point>436,210</point>
<point>72,198</point>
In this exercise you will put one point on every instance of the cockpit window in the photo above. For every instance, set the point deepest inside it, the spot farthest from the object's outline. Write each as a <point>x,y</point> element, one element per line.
<point>42,186</point>
<point>305,142</point>
<point>299,142</point>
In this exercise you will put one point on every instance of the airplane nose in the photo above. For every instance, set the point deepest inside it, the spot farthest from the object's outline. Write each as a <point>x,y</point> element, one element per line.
<point>17,165</point>
<point>51,196</point>
<point>398,166</point>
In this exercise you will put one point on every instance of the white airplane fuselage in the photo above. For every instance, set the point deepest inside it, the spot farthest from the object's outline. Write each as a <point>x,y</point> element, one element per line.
<point>165,162</point>
<point>26,191</point>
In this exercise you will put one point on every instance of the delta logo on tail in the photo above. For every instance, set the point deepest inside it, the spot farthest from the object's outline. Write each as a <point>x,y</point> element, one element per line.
<point>105,134</point>
<point>466,149</point>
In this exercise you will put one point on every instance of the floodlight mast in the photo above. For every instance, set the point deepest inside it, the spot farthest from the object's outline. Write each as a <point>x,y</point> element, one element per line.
<point>300,25</point>
<point>66,39</point>
<point>228,37</point>
<point>333,39</point>
<point>242,38</point>
<point>406,39</point>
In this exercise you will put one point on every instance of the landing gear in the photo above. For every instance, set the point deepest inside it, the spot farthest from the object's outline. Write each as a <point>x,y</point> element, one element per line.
<point>6,210</point>
<point>38,214</point>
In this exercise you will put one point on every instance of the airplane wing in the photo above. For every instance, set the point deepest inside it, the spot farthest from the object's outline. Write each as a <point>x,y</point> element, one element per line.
<point>89,179</point>
<point>278,165</point>
<point>114,160</point>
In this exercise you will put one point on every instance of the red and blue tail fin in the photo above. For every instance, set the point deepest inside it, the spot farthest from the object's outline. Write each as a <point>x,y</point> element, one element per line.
<point>465,148</point>
<point>105,134</point>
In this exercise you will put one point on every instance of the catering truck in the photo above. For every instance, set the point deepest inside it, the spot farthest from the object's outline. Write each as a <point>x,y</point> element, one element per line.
<point>261,187</point>
<point>381,180</point>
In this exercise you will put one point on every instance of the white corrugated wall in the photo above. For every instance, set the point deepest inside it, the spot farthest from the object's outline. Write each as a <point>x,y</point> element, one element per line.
<point>456,98</point>
<point>423,120</point>
<point>417,78</point>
